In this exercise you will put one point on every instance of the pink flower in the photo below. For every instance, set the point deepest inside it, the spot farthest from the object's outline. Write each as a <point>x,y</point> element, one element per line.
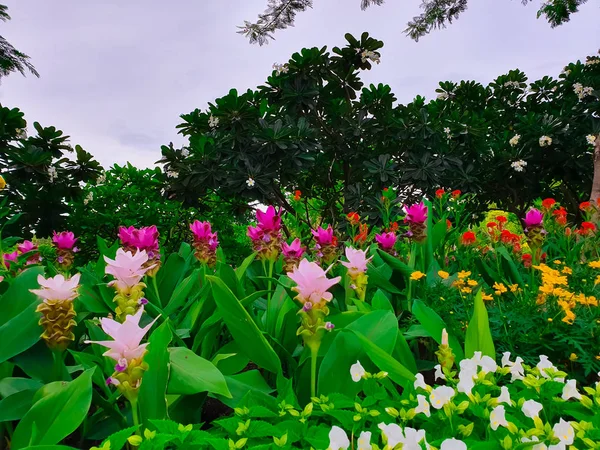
<point>312,282</point>
<point>26,246</point>
<point>416,213</point>
<point>255,233</point>
<point>1,278</point>
<point>57,288</point>
<point>324,237</point>
<point>386,241</point>
<point>293,250</point>
<point>126,235</point>
<point>269,220</point>
<point>145,238</point>
<point>127,268</point>
<point>203,232</point>
<point>126,338</point>
<point>357,261</point>
<point>11,257</point>
<point>65,240</point>
<point>533,218</point>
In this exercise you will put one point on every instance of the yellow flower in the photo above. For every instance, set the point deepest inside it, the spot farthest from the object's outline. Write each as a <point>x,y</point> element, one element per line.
<point>557,262</point>
<point>486,297</point>
<point>466,290</point>
<point>567,270</point>
<point>594,264</point>
<point>2,182</point>
<point>443,275</point>
<point>549,319</point>
<point>472,282</point>
<point>569,317</point>
<point>573,357</point>
<point>500,288</point>
<point>597,280</point>
<point>514,287</point>
<point>462,274</point>
<point>416,275</point>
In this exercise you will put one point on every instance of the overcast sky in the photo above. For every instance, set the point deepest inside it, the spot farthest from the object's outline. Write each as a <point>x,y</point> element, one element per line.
<point>116,75</point>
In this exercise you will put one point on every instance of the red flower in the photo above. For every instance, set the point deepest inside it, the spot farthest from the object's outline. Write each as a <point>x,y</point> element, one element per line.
<point>509,238</point>
<point>586,228</point>
<point>568,231</point>
<point>501,219</point>
<point>526,258</point>
<point>385,189</point>
<point>353,218</point>
<point>548,203</point>
<point>584,206</point>
<point>394,227</point>
<point>297,195</point>
<point>440,193</point>
<point>456,193</point>
<point>448,224</point>
<point>492,225</point>
<point>560,215</point>
<point>361,237</point>
<point>468,238</point>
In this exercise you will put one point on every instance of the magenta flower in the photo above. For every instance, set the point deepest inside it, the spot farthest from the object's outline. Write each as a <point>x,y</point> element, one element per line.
<point>533,218</point>
<point>57,288</point>
<point>65,240</point>
<point>293,250</point>
<point>416,213</point>
<point>11,257</point>
<point>145,238</point>
<point>266,235</point>
<point>269,220</point>
<point>127,268</point>
<point>26,246</point>
<point>312,283</point>
<point>203,233</point>
<point>255,233</point>
<point>386,241</point>
<point>126,235</point>
<point>324,237</point>
<point>357,261</point>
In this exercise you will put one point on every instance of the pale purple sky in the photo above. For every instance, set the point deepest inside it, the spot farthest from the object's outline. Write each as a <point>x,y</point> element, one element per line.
<point>116,75</point>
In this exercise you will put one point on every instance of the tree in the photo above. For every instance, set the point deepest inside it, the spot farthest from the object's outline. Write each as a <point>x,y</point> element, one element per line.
<point>281,14</point>
<point>40,178</point>
<point>11,59</point>
<point>314,127</point>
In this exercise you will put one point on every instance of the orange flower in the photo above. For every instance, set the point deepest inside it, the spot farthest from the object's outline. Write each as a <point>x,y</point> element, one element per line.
<point>448,224</point>
<point>526,259</point>
<point>587,228</point>
<point>297,195</point>
<point>501,221</point>
<point>361,237</point>
<point>548,203</point>
<point>394,227</point>
<point>468,238</point>
<point>456,193</point>
<point>560,216</point>
<point>567,231</point>
<point>385,189</point>
<point>492,225</point>
<point>440,193</point>
<point>585,206</point>
<point>353,218</point>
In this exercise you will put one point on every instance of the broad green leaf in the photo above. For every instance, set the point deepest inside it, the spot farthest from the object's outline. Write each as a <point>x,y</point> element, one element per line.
<point>154,385</point>
<point>36,362</point>
<point>20,333</point>
<point>434,325</point>
<point>243,329</point>
<point>511,267</point>
<point>403,353</point>
<point>12,385</point>
<point>377,278</point>
<point>16,405</point>
<point>168,277</point>
<point>479,337</point>
<point>18,297</point>
<point>396,264</point>
<point>181,292</point>
<point>381,301</point>
<point>56,416</point>
<point>191,374</point>
<point>241,270</point>
<point>242,383</point>
<point>438,233</point>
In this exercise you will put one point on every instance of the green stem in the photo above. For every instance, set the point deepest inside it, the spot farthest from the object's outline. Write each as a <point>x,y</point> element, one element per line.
<point>155,286</point>
<point>134,414</point>
<point>269,282</point>
<point>314,355</point>
<point>57,367</point>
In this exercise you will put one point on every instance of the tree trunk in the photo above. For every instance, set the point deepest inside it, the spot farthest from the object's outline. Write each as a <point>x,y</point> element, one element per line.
<point>596,181</point>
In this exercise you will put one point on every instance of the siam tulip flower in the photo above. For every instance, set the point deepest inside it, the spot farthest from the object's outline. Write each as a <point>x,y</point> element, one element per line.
<point>323,236</point>
<point>27,247</point>
<point>498,418</point>
<point>126,350</point>
<point>357,372</point>
<point>10,257</point>
<point>325,244</point>
<point>386,241</point>
<point>533,218</point>
<point>534,223</point>
<point>127,269</point>
<point>357,270</point>
<point>57,309</point>
<point>266,235</point>
<point>416,216</point>
<point>453,444</point>
<point>364,441</point>
<point>292,254</point>
<point>312,284</point>
<point>531,409</point>
<point>144,238</point>
<point>65,247</point>
<point>338,439</point>
<point>205,243</point>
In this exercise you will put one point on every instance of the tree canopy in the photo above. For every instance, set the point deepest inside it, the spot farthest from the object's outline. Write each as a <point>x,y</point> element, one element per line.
<point>11,59</point>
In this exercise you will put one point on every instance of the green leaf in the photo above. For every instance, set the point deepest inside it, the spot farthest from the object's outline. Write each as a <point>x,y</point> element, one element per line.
<point>181,292</point>
<point>168,277</point>
<point>479,336</point>
<point>377,278</point>
<point>50,447</point>
<point>241,270</point>
<point>434,325</point>
<point>243,383</point>
<point>381,301</point>
<point>509,264</point>
<point>154,385</point>
<point>191,374</point>
<point>20,333</point>
<point>18,297</point>
<point>57,415</point>
<point>243,329</point>
<point>119,439</point>
<point>16,405</point>
<point>12,385</point>
<point>396,264</point>
<point>403,353</point>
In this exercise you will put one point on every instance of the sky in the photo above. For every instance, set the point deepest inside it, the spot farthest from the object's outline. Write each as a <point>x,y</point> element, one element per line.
<point>115,75</point>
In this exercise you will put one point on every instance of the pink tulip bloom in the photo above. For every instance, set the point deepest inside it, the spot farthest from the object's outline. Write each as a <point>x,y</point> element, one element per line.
<point>65,240</point>
<point>386,241</point>
<point>312,282</point>
<point>533,218</point>
<point>324,237</point>
<point>127,268</point>
<point>57,288</point>
<point>357,261</point>
<point>255,233</point>
<point>26,246</point>
<point>269,220</point>
<point>11,257</point>
<point>126,338</point>
<point>293,250</point>
<point>203,233</point>
<point>416,213</point>
<point>126,235</point>
<point>145,238</point>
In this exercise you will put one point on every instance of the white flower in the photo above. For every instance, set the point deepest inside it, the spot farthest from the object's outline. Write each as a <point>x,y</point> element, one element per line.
<point>514,140</point>
<point>52,174</point>
<point>281,68</point>
<point>420,382</point>
<point>213,122</point>
<point>185,152</point>
<point>519,165</point>
<point>545,364</point>
<point>172,174</point>
<point>504,396</point>
<point>564,431</point>
<point>517,370</point>
<point>570,391</point>
<point>438,373</point>
<point>443,96</point>
<point>250,182</point>
<point>357,371</point>
<point>373,56</point>
<point>591,139</point>
<point>364,441</point>
<point>453,444</point>
<point>582,91</point>
<point>444,337</point>
<point>531,409</point>
<point>506,359</point>
<point>101,179</point>
<point>440,396</point>
<point>545,141</point>
<point>88,198</point>
<point>514,84</point>
<point>423,406</point>
<point>488,365</point>
<point>541,446</point>
<point>592,60</point>
<point>392,433</point>
<point>447,131</point>
<point>497,418</point>
<point>413,438</point>
<point>338,439</point>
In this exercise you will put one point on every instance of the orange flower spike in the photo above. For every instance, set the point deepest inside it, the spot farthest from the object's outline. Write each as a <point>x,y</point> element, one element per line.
<point>440,193</point>
<point>297,195</point>
<point>456,193</point>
